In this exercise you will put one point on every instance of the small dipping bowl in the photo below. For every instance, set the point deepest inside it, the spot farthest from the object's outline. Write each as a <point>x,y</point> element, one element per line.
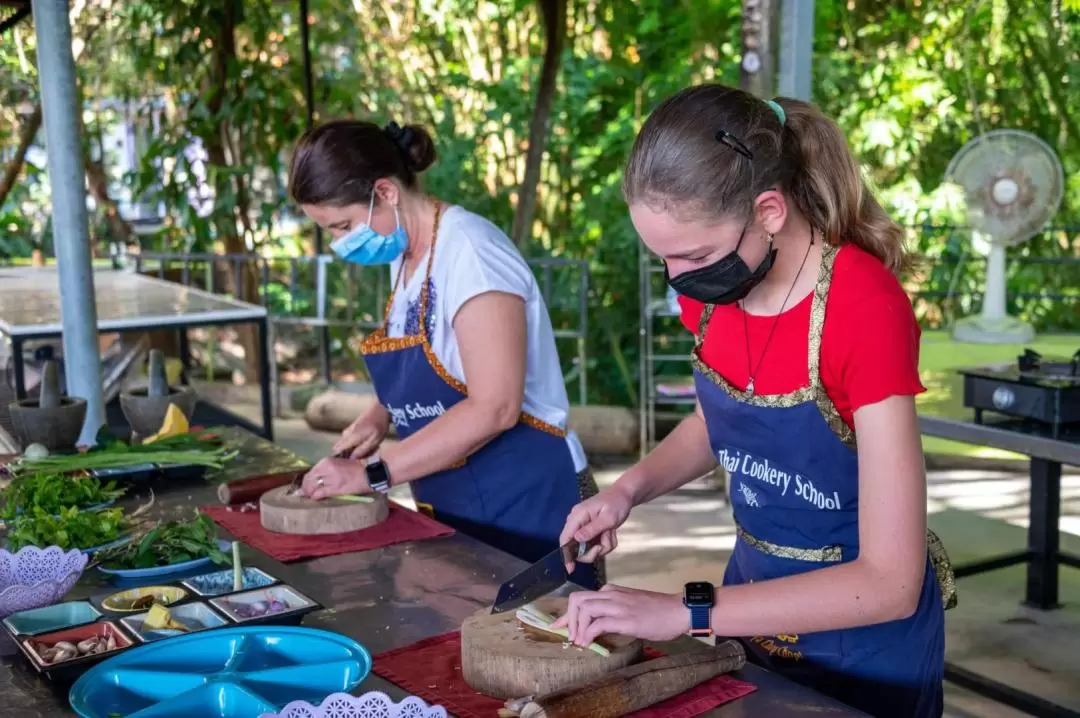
<point>239,606</point>
<point>140,599</point>
<point>51,618</point>
<point>104,629</point>
<point>221,582</point>
<point>196,616</point>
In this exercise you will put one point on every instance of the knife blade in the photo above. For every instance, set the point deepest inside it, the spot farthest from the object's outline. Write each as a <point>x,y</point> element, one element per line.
<point>539,579</point>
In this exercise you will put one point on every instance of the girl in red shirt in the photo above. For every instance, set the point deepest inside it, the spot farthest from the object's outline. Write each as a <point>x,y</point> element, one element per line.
<point>806,369</point>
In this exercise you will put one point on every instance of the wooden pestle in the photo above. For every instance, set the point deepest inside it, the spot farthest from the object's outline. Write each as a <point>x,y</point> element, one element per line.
<point>638,686</point>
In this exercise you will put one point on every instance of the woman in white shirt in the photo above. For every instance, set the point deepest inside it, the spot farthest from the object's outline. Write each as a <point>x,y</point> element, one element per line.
<point>494,460</point>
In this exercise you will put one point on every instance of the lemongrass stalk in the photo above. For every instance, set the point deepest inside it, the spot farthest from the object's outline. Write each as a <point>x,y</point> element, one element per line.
<point>531,616</point>
<point>355,499</point>
<point>238,572</point>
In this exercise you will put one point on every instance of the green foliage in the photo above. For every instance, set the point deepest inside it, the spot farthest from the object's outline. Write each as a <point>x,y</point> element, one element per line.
<point>218,87</point>
<point>50,493</point>
<point>70,529</point>
<point>167,544</point>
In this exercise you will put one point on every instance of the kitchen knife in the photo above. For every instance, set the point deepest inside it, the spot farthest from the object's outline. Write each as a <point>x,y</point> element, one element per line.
<point>539,579</point>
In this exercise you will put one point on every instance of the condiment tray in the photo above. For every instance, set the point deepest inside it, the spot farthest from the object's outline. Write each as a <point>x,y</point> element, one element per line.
<point>219,583</point>
<point>122,601</point>
<point>73,666</point>
<point>196,616</point>
<point>228,673</point>
<point>51,618</point>
<point>237,607</point>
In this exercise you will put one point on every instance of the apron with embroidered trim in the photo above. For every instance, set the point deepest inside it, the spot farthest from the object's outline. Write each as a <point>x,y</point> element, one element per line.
<point>515,492</point>
<point>795,492</point>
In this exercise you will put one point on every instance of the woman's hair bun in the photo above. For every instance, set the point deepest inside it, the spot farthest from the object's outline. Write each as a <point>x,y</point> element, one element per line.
<point>420,150</point>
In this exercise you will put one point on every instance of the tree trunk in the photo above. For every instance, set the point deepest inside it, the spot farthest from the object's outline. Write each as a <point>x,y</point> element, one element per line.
<point>33,124</point>
<point>554,14</point>
<point>26,138</point>
<point>98,182</point>
<point>216,141</point>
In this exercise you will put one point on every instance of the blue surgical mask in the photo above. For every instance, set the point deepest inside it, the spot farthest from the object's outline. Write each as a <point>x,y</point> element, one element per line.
<point>363,245</point>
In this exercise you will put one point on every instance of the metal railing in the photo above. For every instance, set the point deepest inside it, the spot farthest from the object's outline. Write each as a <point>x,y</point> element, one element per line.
<point>320,293</point>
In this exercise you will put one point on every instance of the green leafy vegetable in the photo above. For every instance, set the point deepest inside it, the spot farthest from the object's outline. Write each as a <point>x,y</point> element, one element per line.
<point>71,529</point>
<point>53,492</point>
<point>115,458</point>
<point>166,544</point>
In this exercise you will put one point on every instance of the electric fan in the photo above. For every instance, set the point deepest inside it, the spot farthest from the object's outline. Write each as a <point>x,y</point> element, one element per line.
<point>1012,185</point>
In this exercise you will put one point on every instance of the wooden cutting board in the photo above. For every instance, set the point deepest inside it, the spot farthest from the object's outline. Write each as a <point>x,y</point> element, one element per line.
<point>500,658</point>
<point>296,514</point>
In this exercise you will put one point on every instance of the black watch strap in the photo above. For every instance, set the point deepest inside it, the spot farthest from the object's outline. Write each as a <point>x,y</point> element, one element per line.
<point>378,475</point>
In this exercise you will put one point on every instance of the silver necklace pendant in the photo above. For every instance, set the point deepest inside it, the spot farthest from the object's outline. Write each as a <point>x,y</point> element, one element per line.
<point>750,387</point>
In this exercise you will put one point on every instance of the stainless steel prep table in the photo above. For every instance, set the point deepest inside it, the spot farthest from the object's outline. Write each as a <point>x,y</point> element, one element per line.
<point>385,599</point>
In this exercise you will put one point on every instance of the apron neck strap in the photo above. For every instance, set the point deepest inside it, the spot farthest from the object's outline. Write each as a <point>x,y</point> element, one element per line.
<point>427,276</point>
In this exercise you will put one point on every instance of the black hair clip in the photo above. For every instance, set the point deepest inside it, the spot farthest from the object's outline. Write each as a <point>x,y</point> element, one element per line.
<point>400,137</point>
<point>726,138</point>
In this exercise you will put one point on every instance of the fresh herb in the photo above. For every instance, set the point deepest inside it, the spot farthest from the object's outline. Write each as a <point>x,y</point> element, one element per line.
<point>117,459</point>
<point>53,492</point>
<point>167,544</point>
<point>71,529</point>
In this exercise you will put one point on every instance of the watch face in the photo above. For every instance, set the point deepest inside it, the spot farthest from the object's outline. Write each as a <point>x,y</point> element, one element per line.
<point>377,474</point>
<point>699,593</point>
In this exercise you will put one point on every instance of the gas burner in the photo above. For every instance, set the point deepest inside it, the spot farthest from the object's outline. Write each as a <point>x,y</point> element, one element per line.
<point>1034,388</point>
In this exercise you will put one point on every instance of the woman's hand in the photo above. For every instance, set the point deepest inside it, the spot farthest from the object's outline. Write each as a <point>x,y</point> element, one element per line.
<point>597,516</point>
<point>362,437</point>
<point>334,477</point>
<point>626,611</point>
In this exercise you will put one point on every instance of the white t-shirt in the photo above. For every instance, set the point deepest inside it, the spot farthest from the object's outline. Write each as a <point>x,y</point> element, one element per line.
<point>472,257</point>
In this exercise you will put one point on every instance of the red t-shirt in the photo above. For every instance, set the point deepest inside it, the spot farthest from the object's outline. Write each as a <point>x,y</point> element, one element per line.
<point>869,345</point>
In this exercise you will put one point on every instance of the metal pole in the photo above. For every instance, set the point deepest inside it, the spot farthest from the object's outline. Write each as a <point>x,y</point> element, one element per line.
<point>796,49</point>
<point>309,100</point>
<point>71,232</point>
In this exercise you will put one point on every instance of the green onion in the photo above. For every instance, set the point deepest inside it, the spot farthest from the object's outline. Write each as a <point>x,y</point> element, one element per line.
<point>91,460</point>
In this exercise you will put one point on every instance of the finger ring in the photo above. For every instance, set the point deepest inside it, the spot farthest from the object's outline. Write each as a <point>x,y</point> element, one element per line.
<point>319,482</point>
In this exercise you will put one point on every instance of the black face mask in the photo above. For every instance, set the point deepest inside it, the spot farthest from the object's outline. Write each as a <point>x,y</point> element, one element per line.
<point>725,281</point>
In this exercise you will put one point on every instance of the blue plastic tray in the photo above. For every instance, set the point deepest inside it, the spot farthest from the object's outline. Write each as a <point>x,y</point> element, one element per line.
<point>226,673</point>
<point>158,571</point>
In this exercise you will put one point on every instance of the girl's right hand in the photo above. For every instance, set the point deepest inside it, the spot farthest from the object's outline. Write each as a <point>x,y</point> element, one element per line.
<point>597,517</point>
<point>362,437</point>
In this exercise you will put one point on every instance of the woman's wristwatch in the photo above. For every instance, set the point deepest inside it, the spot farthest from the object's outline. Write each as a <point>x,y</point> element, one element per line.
<point>378,476</point>
<point>700,597</point>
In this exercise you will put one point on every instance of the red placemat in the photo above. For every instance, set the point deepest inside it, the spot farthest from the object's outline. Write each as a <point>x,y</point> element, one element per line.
<point>400,525</point>
<point>431,669</point>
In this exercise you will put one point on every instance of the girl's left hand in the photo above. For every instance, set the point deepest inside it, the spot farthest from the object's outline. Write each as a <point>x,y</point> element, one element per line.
<point>334,477</point>
<point>626,611</point>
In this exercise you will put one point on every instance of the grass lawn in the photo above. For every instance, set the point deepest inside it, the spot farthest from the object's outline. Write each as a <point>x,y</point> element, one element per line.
<point>940,358</point>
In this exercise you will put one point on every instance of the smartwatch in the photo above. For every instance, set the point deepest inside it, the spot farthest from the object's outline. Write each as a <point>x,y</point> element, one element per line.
<point>700,597</point>
<point>378,476</point>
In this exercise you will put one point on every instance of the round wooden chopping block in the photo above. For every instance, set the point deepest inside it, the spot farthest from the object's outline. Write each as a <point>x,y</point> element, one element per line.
<point>297,514</point>
<point>501,659</point>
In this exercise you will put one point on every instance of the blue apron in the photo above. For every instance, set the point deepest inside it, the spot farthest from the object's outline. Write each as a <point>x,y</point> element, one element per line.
<point>516,491</point>
<point>795,493</point>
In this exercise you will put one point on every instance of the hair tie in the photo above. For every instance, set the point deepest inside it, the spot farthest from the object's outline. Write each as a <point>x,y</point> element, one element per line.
<point>775,107</point>
<point>400,137</point>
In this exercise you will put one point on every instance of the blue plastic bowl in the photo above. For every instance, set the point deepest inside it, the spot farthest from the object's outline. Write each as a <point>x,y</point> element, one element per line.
<point>225,673</point>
